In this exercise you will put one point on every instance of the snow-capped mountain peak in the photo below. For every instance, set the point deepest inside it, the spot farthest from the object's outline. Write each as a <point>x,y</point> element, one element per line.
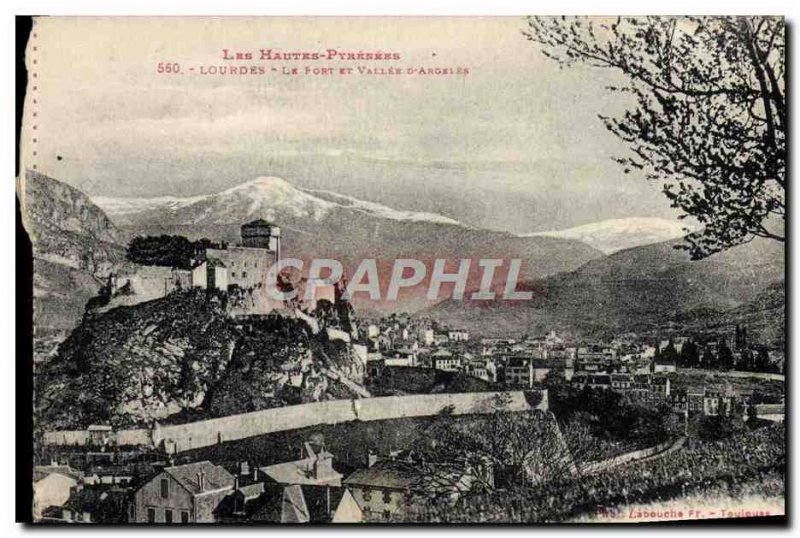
<point>613,235</point>
<point>381,210</point>
<point>267,197</point>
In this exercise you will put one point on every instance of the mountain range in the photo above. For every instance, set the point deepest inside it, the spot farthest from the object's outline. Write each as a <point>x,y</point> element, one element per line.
<point>613,235</point>
<point>78,241</point>
<point>318,224</point>
<point>639,289</point>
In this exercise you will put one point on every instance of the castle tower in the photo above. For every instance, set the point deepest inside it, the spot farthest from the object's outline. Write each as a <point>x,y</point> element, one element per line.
<point>261,234</point>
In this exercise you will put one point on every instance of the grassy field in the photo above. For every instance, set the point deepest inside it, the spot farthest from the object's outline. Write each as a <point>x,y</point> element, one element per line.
<point>694,380</point>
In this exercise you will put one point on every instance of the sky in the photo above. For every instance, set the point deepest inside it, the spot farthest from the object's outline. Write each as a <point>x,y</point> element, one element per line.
<point>514,145</point>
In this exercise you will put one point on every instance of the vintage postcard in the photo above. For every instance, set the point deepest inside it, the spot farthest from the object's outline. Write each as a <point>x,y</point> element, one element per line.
<point>406,270</point>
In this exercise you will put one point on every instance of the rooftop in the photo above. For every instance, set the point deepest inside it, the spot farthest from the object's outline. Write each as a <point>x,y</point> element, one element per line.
<point>214,476</point>
<point>302,471</point>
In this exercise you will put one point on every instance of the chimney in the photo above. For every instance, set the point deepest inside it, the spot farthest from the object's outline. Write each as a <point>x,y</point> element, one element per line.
<point>236,482</point>
<point>201,480</point>
<point>372,458</point>
<point>255,473</point>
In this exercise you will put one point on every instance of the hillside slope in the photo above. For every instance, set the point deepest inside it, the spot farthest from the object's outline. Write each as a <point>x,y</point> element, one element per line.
<point>764,317</point>
<point>75,247</point>
<point>636,289</point>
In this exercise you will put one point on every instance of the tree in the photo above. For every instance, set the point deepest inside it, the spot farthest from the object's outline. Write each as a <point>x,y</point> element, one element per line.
<point>690,356</point>
<point>502,449</point>
<point>719,427</point>
<point>724,356</point>
<point>745,362</point>
<point>168,250</point>
<point>163,250</point>
<point>706,114</point>
<point>762,362</point>
<point>669,354</point>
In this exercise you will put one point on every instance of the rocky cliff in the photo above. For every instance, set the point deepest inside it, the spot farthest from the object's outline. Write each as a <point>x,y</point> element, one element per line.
<point>184,357</point>
<point>75,247</point>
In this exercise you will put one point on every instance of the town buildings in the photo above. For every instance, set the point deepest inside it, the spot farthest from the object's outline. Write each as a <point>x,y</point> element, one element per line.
<point>385,490</point>
<point>51,487</point>
<point>190,493</point>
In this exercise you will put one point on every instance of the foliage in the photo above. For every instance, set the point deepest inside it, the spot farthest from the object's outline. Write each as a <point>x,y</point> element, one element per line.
<point>503,449</point>
<point>750,460</point>
<point>167,250</point>
<point>689,356</point>
<point>611,416</point>
<point>706,114</point>
<point>717,428</point>
<point>395,380</point>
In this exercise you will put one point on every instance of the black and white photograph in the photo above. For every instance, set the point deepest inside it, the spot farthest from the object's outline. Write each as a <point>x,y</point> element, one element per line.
<point>455,270</point>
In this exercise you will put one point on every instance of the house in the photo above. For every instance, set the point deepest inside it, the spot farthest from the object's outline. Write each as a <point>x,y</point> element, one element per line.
<point>542,367</point>
<point>593,357</point>
<point>660,387</point>
<point>519,372</point>
<point>445,361</point>
<point>621,382</point>
<point>387,489</point>
<point>348,510</point>
<point>302,491</point>
<point>51,487</point>
<point>482,369</point>
<point>426,337</point>
<point>717,403</point>
<point>440,339</point>
<point>695,402</point>
<point>95,505</point>
<point>188,493</point>
<point>457,335</point>
<point>649,388</point>
<point>315,469</point>
<point>591,364</point>
<point>662,365</point>
<point>679,401</point>
<point>400,357</point>
<point>375,364</point>
<point>298,504</point>
<point>245,497</point>
<point>595,381</point>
